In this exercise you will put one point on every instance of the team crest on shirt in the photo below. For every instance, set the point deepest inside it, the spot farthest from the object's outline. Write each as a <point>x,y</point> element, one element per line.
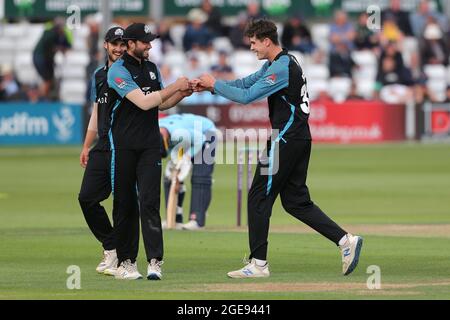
<point>120,83</point>
<point>271,79</point>
<point>152,76</point>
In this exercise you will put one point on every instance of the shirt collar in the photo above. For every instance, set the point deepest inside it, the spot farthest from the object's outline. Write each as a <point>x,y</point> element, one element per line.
<point>282,53</point>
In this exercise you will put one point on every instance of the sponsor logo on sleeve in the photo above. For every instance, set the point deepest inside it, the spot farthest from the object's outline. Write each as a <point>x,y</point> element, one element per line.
<point>272,79</point>
<point>120,83</point>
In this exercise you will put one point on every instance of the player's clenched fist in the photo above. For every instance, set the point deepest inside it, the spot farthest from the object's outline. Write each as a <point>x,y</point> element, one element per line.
<point>183,83</point>
<point>84,157</point>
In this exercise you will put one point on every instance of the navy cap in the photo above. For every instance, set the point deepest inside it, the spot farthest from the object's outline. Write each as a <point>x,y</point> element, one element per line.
<point>139,31</point>
<point>114,34</point>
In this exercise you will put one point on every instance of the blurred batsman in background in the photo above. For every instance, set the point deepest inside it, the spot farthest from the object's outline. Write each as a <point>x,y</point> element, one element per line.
<point>196,136</point>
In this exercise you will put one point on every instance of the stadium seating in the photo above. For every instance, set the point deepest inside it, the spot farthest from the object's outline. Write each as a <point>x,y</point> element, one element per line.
<point>320,33</point>
<point>18,41</point>
<point>437,81</point>
<point>339,88</point>
<point>223,44</point>
<point>73,91</point>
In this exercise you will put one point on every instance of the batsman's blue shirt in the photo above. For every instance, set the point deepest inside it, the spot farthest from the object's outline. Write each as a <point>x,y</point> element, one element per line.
<point>284,84</point>
<point>188,131</point>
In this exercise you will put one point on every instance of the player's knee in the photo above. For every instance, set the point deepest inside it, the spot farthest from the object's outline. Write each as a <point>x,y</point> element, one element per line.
<point>86,201</point>
<point>297,205</point>
<point>83,199</point>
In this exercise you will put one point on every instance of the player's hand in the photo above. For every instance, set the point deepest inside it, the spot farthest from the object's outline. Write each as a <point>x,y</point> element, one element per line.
<point>207,81</point>
<point>196,86</point>
<point>187,93</point>
<point>182,84</point>
<point>184,166</point>
<point>84,157</point>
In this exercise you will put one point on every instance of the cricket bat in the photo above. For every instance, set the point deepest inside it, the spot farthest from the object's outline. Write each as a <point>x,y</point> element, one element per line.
<point>173,195</point>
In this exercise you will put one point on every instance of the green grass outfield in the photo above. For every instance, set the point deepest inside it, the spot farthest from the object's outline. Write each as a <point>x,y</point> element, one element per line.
<point>396,196</point>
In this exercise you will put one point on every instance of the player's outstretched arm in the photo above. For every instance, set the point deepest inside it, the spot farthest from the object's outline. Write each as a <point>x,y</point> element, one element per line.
<point>155,99</point>
<point>275,78</point>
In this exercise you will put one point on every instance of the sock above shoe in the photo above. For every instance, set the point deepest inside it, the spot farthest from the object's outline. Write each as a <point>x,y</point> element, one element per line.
<point>260,263</point>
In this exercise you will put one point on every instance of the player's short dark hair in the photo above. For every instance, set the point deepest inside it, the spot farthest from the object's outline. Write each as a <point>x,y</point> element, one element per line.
<point>262,29</point>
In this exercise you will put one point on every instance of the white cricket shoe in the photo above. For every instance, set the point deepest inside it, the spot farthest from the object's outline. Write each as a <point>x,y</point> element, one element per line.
<point>154,271</point>
<point>109,261</point>
<point>251,270</point>
<point>178,226</point>
<point>192,226</point>
<point>128,271</point>
<point>350,252</point>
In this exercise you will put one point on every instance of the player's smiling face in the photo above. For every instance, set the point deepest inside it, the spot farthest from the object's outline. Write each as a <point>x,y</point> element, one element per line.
<point>115,50</point>
<point>259,47</point>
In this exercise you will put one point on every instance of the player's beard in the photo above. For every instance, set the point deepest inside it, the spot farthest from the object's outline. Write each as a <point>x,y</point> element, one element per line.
<point>141,53</point>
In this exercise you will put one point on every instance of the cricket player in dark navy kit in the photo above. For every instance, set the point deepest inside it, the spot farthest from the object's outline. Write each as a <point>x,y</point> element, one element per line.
<point>281,79</point>
<point>136,94</point>
<point>96,185</point>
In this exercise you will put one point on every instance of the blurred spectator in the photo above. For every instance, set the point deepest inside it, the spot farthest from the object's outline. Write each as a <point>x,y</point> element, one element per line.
<point>9,87</point>
<point>93,22</point>
<point>237,38</point>
<point>392,50</point>
<point>32,94</point>
<point>55,38</point>
<point>296,36</point>
<point>254,11</point>
<point>163,30</point>
<point>420,18</point>
<point>419,79</point>
<point>341,31</point>
<point>222,70</point>
<point>365,38</point>
<point>194,69</point>
<point>447,95</point>
<point>400,17</point>
<point>393,82</point>
<point>390,32</point>
<point>197,35</point>
<point>341,63</point>
<point>214,22</point>
<point>434,49</point>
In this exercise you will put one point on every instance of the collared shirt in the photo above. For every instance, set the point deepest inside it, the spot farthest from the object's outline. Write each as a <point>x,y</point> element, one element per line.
<point>132,127</point>
<point>284,83</point>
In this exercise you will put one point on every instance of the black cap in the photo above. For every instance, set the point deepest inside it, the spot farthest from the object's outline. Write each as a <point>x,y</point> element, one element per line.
<point>114,34</point>
<point>139,31</point>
